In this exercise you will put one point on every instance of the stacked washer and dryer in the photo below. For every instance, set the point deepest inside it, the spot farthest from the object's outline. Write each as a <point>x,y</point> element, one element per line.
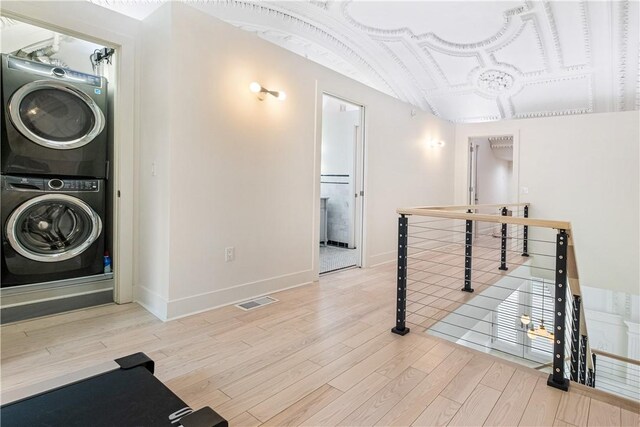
<point>54,170</point>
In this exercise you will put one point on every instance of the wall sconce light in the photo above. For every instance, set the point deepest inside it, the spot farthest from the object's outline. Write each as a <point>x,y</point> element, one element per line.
<point>436,144</point>
<point>261,92</point>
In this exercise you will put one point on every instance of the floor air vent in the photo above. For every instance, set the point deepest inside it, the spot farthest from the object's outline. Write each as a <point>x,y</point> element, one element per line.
<point>255,303</point>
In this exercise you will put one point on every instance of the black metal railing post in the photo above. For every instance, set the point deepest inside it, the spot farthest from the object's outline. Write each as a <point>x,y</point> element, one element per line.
<point>582,377</point>
<point>525,237</point>
<point>468,254</point>
<point>592,372</point>
<point>401,303</point>
<point>503,244</point>
<point>556,378</point>
<point>575,339</point>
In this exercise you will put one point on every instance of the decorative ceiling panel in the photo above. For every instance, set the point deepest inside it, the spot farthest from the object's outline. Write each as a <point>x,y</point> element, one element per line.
<point>570,95</point>
<point>431,20</point>
<point>568,21</point>
<point>465,61</point>
<point>454,70</point>
<point>468,104</point>
<point>524,51</point>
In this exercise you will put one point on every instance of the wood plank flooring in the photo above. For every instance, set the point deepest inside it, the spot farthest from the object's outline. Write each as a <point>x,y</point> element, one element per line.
<point>322,356</point>
<point>433,285</point>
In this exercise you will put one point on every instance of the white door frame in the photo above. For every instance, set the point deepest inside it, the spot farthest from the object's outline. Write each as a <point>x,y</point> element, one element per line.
<point>515,178</point>
<point>359,175</point>
<point>50,15</point>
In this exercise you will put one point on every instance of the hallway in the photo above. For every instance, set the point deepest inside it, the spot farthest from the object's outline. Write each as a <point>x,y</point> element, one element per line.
<point>322,355</point>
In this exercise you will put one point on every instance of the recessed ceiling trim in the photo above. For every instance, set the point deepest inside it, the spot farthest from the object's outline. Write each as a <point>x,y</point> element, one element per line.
<point>584,56</point>
<point>263,8</point>
<point>622,58</point>
<point>405,31</point>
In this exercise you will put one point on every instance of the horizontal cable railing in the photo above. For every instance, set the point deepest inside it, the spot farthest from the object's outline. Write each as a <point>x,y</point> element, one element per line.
<point>492,278</point>
<point>617,374</point>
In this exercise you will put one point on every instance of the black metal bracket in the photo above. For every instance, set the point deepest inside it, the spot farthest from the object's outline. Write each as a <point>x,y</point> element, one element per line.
<point>503,244</point>
<point>134,360</point>
<point>575,339</point>
<point>556,378</point>
<point>582,377</point>
<point>401,303</point>
<point>525,237</point>
<point>468,254</point>
<point>204,417</point>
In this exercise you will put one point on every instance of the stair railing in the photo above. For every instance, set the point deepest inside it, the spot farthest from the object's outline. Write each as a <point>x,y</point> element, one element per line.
<point>436,232</point>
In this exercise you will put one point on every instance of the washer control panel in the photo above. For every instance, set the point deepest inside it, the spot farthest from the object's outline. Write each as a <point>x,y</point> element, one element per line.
<point>57,184</point>
<point>18,183</point>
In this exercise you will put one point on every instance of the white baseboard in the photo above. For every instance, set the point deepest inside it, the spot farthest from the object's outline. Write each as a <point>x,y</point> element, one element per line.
<point>208,301</point>
<point>383,258</point>
<point>151,301</point>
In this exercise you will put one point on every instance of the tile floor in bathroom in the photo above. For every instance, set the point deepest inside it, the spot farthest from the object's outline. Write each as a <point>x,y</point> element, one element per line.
<point>334,258</point>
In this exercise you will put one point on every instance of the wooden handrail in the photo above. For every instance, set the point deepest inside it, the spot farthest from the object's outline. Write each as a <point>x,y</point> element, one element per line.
<point>616,357</point>
<point>440,213</point>
<point>465,207</point>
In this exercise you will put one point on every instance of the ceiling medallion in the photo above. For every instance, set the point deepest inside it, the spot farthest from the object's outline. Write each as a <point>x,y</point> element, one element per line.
<point>495,81</point>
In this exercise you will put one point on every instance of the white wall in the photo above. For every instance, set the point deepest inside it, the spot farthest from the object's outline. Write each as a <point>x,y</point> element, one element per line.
<point>154,161</point>
<point>338,141</point>
<point>73,51</point>
<point>245,173</point>
<point>583,169</point>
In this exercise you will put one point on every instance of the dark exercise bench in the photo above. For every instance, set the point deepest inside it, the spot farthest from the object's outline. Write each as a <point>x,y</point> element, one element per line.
<point>122,393</point>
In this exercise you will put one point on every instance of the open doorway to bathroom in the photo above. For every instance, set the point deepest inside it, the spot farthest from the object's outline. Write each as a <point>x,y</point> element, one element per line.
<point>341,186</point>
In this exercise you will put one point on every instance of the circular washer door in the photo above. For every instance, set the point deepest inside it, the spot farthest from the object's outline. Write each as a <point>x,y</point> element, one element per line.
<point>55,115</point>
<point>52,228</point>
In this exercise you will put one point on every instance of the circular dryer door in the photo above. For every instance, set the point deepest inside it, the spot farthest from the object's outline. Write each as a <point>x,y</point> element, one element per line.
<point>52,228</point>
<point>55,115</point>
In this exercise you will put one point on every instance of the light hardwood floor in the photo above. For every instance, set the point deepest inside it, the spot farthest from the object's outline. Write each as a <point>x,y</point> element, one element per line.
<point>323,355</point>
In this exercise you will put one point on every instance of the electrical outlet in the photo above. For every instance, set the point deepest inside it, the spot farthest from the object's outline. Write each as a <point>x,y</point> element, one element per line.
<point>153,169</point>
<point>524,190</point>
<point>229,254</point>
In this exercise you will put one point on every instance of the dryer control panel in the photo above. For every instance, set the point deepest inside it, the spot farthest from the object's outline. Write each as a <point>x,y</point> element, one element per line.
<point>18,183</point>
<point>49,71</point>
<point>56,184</point>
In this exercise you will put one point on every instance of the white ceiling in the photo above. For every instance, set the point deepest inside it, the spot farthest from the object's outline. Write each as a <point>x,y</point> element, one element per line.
<point>465,61</point>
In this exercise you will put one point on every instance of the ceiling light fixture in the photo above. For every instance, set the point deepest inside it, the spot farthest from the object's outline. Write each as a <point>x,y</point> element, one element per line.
<point>531,333</point>
<point>436,144</point>
<point>261,92</point>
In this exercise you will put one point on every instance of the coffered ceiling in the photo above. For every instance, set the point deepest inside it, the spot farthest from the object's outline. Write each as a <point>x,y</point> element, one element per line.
<point>464,61</point>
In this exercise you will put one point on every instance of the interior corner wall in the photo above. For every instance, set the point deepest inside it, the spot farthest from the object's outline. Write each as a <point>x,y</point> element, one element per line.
<point>583,169</point>
<point>154,166</point>
<point>245,174</point>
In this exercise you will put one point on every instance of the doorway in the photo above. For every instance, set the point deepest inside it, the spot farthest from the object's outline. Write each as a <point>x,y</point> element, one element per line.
<point>491,176</point>
<point>341,184</point>
<point>491,171</point>
<point>67,172</point>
